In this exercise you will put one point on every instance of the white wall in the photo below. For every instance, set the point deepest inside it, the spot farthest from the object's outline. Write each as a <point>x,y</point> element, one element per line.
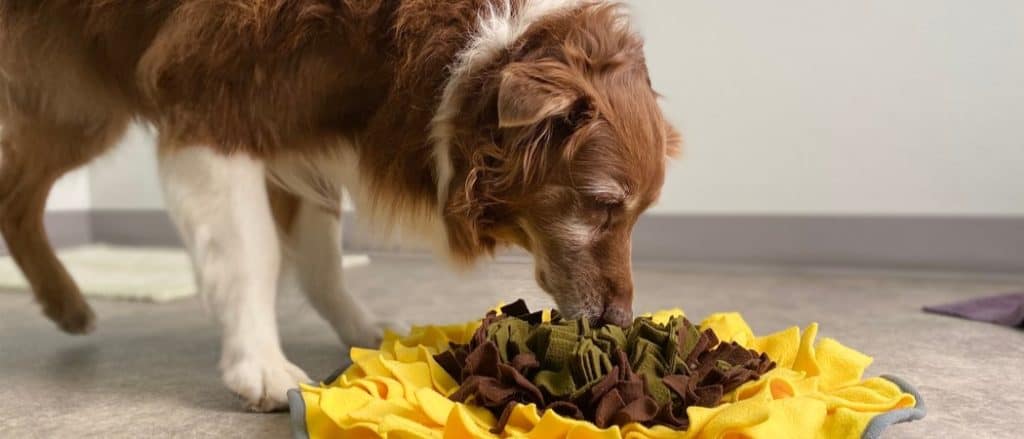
<point>70,193</point>
<point>806,107</point>
<point>126,178</point>
<point>842,107</point>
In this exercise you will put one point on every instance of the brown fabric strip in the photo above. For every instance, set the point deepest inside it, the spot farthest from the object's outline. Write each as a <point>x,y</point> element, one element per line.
<point>648,373</point>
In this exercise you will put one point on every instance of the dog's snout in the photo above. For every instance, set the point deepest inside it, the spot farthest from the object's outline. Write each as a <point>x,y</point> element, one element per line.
<point>618,316</point>
<point>618,302</point>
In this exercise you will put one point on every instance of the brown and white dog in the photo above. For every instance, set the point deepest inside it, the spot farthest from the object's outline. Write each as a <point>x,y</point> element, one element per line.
<point>469,123</point>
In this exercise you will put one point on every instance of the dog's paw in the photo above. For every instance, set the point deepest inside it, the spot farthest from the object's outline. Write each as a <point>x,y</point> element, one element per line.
<point>399,327</point>
<point>74,317</point>
<point>372,334</point>
<point>263,384</point>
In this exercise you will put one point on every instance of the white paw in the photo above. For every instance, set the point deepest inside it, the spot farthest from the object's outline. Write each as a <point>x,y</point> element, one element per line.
<point>400,327</point>
<point>263,384</point>
<point>372,334</point>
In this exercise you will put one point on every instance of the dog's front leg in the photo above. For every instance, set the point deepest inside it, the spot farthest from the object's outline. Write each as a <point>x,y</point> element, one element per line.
<point>313,249</point>
<point>220,205</point>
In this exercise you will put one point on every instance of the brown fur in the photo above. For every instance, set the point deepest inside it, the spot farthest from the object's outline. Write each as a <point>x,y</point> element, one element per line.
<point>598,120</point>
<point>568,104</point>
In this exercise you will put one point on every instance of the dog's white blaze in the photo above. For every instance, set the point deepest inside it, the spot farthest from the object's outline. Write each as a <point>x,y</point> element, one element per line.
<point>219,203</point>
<point>498,29</point>
<point>577,232</point>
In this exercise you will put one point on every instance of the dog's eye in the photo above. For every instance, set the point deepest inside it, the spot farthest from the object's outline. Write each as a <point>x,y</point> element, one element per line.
<point>610,208</point>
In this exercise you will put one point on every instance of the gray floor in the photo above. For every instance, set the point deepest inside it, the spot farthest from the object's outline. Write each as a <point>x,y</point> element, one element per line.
<point>150,370</point>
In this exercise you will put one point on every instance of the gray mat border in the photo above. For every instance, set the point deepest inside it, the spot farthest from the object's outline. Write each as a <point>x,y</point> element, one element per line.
<point>874,430</point>
<point>297,406</point>
<point>879,423</point>
<point>297,412</point>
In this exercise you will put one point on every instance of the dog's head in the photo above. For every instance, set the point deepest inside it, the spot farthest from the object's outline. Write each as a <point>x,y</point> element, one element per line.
<point>568,149</point>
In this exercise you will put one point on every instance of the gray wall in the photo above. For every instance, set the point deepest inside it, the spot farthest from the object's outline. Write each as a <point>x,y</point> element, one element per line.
<point>867,107</point>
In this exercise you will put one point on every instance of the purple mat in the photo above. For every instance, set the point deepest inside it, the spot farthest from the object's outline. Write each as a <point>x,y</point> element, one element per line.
<point>1005,310</point>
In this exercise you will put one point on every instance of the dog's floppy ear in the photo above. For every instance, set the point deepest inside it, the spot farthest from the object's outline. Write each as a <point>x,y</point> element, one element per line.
<point>532,92</point>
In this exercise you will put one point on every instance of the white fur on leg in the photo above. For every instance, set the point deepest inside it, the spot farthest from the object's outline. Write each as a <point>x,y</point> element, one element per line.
<point>313,248</point>
<point>220,205</point>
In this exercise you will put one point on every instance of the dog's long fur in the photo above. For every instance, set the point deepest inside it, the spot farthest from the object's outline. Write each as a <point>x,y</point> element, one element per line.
<point>469,123</point>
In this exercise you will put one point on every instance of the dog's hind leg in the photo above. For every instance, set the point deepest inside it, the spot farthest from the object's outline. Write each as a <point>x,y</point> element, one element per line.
<point>221,208</point>
<point>311,238</point>
<point>34,155</point>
